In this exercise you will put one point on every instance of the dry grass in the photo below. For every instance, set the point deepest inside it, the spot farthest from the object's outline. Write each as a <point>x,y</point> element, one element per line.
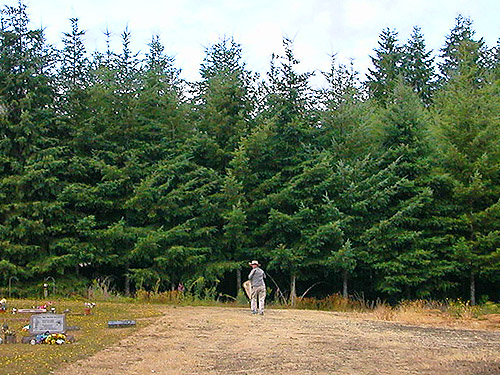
<point>170,297</point>
<point>433,313</point>
<point>455,313</point>
<point>334,302</point>
<point>94,335</point>
<point>384,312</point>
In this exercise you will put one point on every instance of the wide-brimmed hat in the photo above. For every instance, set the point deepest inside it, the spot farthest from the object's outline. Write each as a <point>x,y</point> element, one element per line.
<point>254,262</point>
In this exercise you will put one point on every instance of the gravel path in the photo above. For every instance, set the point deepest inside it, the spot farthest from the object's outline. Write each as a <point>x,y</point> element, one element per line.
<point>213,340</point>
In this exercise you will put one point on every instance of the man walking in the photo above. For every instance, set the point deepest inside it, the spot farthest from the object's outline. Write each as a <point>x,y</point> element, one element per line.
<point>256,278</point>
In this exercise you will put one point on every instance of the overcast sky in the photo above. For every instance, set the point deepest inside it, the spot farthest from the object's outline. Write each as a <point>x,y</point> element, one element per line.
<point>319,28</point>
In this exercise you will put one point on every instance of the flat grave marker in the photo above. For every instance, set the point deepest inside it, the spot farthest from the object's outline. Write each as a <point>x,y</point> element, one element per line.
<point>31,311</point>
<point>121,323</point>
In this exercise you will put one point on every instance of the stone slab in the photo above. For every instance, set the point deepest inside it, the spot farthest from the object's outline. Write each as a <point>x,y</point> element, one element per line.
<point>52,323</point>
<point>121,323</point>
<point>31,311</point>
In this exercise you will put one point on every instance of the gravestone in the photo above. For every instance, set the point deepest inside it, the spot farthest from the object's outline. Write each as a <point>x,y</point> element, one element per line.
<point>10,339</point>
<point>121,323</point>
<point>30,311</point>
<point>52,323</point>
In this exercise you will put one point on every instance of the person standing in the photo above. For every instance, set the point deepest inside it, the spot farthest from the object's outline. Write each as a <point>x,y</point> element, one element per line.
<point>258,297</point>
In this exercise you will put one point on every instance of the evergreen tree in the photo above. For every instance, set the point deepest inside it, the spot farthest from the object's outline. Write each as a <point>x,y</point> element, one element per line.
<point>418,66</point>
<point>161,108</point>
<point>307,224</point>
<point>179,213</point>
<point>495,61</point>
<point>127,65</point>
<point>467,138</point>
<point>382,78</point>
<point>288,96</point>
<point>344,119</point>
<point>461,33</point>
<point>263,166</point>
<point>114,149</point>
<point>235,228</point>
<point>344,200</point>
<point>343,86</point>
<point>400,243</point>
<point>74,64</point>
<point>224,101</point>
<point>73,74</point>
<point>160,68</point>
<point>345,142</point>
<point>29,151</point>
<point>267,161</point>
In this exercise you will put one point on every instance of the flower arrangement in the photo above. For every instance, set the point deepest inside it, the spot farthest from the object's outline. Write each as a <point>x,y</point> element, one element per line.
<point>9,334</point>
<point>49,338</point>
<point>88,307</point>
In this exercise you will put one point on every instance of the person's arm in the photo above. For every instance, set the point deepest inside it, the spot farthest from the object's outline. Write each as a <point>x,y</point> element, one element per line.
<point>250,275</point>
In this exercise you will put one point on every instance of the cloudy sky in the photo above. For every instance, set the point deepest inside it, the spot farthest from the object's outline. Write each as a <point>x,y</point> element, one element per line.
<point>319,28</point>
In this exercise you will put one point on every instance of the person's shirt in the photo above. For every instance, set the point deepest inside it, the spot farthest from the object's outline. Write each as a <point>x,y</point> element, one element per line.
<point>257,277</point>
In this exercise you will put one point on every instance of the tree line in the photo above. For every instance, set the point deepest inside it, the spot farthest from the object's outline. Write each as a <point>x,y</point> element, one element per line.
<point>111,165</point>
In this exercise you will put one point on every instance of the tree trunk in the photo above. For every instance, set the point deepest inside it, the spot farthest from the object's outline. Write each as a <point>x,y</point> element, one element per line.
<point>344,284</point>
<point>238,281</point>
<point>293,290</point>
<point>127,285</point>
<point>472,288</point>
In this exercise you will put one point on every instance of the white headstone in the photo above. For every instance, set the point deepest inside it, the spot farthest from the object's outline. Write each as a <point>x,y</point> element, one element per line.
<point>52,323</point>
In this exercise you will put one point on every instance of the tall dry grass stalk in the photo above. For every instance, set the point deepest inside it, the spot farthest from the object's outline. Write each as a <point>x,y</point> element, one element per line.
<point>334,302</point>
<point>383,311</point>
<point>167,297</point>
<point>428,311</point>
<point>414,312</point>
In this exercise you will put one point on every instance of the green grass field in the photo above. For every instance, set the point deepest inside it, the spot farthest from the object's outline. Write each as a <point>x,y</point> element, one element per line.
<point>93,335</point>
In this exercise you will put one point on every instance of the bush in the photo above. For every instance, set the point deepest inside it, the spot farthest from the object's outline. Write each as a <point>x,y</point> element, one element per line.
<point>462,310</point>
<point>490,308</point>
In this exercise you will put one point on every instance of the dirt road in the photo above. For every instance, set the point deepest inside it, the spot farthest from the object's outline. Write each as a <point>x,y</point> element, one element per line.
<point>212,340</point>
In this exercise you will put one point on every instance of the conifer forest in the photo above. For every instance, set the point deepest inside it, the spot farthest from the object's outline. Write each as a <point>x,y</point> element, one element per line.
<point>114,167</point>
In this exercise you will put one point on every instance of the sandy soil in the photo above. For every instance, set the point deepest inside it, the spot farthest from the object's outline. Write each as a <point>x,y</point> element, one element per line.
<point>213,340</point>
